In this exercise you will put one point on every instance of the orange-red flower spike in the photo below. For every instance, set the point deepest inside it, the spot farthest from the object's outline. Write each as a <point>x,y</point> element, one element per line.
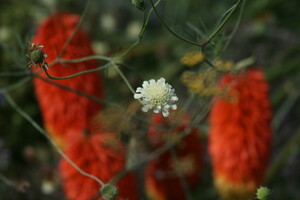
<point>240,134</point>
<point>101,155</point>
<point>62,109</point>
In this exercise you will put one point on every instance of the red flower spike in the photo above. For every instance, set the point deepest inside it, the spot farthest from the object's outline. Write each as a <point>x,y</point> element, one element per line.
<point>240,135</point>
<point>62,109</point>
<point>101,155</point>
<point>162,180</point>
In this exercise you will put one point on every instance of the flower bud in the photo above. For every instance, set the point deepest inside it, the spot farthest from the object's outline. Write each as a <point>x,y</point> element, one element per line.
<point>109,192</point>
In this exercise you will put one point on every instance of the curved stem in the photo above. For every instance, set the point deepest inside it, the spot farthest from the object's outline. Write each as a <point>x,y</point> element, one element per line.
<point>142,31</point>
<point>7,181</point>
<point>78,60</point>
<point>218,29</point>
<point>124,78</point>
<point>43,132</point>
<point>91,97</point>
<point>236,26</point>
<point>79,73</point>
<point>169,29</point>
<point>76,29</point>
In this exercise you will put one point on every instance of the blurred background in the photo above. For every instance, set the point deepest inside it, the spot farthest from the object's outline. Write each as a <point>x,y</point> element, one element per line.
<point>268,31</point>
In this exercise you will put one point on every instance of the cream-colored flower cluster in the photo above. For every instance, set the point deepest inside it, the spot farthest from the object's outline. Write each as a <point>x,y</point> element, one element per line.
<point>157,95</point>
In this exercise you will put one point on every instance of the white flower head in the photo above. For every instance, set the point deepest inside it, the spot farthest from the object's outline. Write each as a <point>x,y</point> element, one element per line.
<point>157,95</point>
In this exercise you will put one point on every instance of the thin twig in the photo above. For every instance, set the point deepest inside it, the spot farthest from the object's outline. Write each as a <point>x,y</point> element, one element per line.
<point>8,182</point>
<point>283,156</point>
<point>78,60</point>
<point>238,22</point>
<point>76,29</point>
<point>124,78</point>
<point>182,178</point>
<point>15,85</point>
<point>142,30</point>
<point>159,151</point>
<point>91,97</point>
<point>208,62</point>
<point>43,132</point>
<point>79,73</point>
<point>14,73</point>
<point>169,29</point>
<point>284,109</point>
<point>218,29</point>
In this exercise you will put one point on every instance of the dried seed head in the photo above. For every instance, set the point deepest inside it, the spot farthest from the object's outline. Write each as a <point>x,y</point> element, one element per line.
<point>36,56</point>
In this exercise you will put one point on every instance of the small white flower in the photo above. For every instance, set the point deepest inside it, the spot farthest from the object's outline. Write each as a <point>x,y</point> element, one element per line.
<point>157,95</point>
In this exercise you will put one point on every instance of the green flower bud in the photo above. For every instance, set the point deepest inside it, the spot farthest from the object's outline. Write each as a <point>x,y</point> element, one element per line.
<point>262,193</point>
<point>109,192</point>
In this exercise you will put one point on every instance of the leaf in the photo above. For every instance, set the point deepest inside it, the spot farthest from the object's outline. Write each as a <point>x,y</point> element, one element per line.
<point>223,18</point>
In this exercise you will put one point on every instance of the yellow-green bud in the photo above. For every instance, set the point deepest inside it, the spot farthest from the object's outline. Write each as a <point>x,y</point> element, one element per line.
<point>262,193</point>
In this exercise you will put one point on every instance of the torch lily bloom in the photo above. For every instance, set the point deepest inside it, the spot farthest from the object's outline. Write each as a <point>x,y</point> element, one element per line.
<point>101,155</point>
<point>60,108</point>
<point>240,134</point>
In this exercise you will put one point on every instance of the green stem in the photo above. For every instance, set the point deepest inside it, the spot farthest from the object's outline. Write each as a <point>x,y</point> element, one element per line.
<point>124,78</point>
<point>208,62</point>
<point>79,73</point>
<point>169,29</point>
<point>183,110</point>
<point>203,114</point>
<point>119,176</point>
<point>284,109</point>
<point>283,156</point>
<point>5,180</point>
<point>91,97</point>
<point>14,74</point>
<point>218,29</point>
<point>158,151</point>
<point>43,132</point>
<point>15,85</point>
<point>76,29</point>
<point>236,26</point>
<point>142,31</point>
<point>182,178</point>
<point>78,60</point>
<point>151,156</point>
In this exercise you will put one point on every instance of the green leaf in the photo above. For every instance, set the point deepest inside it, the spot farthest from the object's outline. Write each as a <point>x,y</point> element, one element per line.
<point>223,17</point>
